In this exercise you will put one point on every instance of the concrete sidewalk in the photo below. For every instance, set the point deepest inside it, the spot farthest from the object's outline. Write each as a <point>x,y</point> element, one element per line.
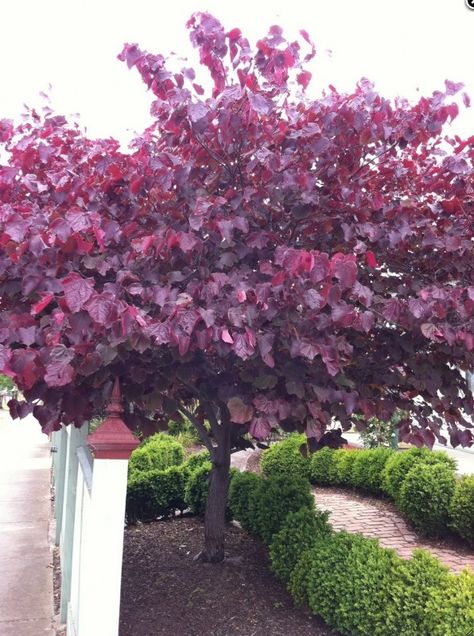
<point>26,574</point>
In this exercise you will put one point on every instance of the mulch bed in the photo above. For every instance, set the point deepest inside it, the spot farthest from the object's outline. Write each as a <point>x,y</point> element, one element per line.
<point>166,592</point>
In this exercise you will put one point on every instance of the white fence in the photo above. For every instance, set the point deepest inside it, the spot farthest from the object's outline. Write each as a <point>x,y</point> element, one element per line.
<point>90,493</point>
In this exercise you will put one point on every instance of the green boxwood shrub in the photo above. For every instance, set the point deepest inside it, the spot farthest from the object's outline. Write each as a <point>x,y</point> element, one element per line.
<point>156,453</point>
<point>274,499</point>
<point>425,497</point>
<point>367,468</point>
<point>241,490</point>
<point>197,488</point>
<point>321,466</point>
<point>450,607</point>
<point>414,582</point>
<point>462,508</point>
<point>196,460</point>
<point>285,458</point>
<point>300,531</point>
<point>362,596</point>
<point>341,471</point>
<point>320,572</point>
<point>155,493</point>
<point>399,464</point>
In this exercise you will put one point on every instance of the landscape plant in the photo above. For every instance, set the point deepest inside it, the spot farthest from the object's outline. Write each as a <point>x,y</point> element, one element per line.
<point>259,257</point>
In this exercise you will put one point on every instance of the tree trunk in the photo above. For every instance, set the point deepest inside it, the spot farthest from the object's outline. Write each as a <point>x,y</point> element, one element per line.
<point>214,523</point>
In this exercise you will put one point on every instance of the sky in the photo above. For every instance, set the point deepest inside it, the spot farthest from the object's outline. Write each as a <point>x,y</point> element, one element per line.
<point>407,47</point>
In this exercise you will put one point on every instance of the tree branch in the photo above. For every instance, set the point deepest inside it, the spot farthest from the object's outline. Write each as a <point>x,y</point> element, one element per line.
<point>201,429</point>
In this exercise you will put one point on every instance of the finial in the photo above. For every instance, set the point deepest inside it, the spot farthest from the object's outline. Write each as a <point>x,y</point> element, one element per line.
<point>114,408</point>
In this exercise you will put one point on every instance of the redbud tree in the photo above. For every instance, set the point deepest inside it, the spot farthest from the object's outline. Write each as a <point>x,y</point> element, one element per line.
<point>258,258</point>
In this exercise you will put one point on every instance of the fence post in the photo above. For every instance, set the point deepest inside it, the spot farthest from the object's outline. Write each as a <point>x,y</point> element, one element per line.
<point>60,443</point>
<point>101,560</point>
<point>75,438</point>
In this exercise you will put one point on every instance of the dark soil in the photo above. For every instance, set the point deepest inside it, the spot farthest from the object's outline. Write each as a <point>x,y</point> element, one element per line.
<point>165,592</point>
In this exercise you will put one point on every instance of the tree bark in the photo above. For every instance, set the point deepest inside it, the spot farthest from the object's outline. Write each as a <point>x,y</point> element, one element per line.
<point>214,522</point>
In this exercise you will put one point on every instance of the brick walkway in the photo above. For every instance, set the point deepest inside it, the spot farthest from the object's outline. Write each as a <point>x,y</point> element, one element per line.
<point>379,519</point>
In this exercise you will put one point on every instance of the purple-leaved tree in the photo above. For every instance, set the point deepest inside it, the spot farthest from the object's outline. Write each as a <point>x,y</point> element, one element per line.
<point>257,259</point>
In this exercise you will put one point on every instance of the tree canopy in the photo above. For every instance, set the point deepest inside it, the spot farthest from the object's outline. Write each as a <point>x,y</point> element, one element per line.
<point>258,253</point>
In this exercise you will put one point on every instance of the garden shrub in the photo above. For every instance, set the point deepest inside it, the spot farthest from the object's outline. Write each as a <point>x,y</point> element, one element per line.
<point>321,466</point>
<point>242,488</point>
<point>413,584</point>
<point>197,488</point>
<point>300,531</point>
<point>285,458</point>
<point>158,452</point>
<point>462,508</point>
<point>196,460</point>
<point>362,596</point>
<point>450,608</point>
<point>400,462</point>
<point>274,499</point>
<point>155,493</point>
<point>320,572</point>
<point>367,468</point>
<point>425,497</point>
<point>341,471</point>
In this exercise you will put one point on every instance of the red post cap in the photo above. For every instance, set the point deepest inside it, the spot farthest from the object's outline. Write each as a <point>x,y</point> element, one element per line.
<point>113,439</point>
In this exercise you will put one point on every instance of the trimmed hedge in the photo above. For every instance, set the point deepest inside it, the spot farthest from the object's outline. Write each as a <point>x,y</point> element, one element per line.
<point>274,499</point>
<point>425,497</point>
<point>300,531</point>
<point>367,468</point>
<point>462,508</point>
<point>157,452</point>
<point>197,488</point>
<point>450,607</point>
<point>399,464</point>
<point>343,462</point>
<point>155,493</point>
<point>286,459</point>
<point>361,588</point>
<point>321,467</point>
<point>241,490</point>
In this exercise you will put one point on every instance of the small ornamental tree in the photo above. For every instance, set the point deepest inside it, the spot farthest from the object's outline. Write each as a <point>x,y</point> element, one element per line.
<point>257,258</point>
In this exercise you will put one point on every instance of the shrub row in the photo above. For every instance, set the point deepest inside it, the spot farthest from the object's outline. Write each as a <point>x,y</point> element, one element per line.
<point>350,581</point>
<point>421,482</point>
<point>161,483</point>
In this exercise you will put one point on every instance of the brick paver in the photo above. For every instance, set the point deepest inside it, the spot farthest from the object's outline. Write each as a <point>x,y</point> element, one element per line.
<point>379,519</point>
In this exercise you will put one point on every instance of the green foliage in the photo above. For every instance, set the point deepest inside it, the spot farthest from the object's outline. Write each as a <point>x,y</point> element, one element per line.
<point>300,531</point>
<point>413,585</point>
<point>155,493</point>
<point>362,596</point>
<point>341,471</point>
<point>6,383</point>
<point>379,432</point>
<point>157,453</point>
<point>196,460</point>
<point>184,432</point>
<point>242,489</point>
<point>285,458</point>
<point>450,608</point>
<point>321,466</point>
<point>367,468</point>
<point>400,463</point>
<point>462,508</point>
<point>274,499</point>
<point>320,572</point>
<point>425,497</point>
<point>197,488</point>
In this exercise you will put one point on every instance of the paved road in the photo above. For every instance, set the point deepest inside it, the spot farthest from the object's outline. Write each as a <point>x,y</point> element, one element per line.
<point>26,579</point>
